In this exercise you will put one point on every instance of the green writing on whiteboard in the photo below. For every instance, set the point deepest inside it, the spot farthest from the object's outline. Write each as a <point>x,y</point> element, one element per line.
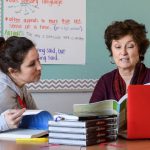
<point>13,33</point>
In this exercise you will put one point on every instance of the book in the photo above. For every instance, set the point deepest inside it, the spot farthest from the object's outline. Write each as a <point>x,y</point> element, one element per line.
<point>86,142</point>
<point>22,133</point>
<point>82,130</point>
<point>84,123</point>
<point>83,136</point>
<point>35,119</point>
<point>106,107</point>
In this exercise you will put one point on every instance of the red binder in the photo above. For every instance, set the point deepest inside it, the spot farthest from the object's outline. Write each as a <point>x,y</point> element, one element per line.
<point>138,112</point>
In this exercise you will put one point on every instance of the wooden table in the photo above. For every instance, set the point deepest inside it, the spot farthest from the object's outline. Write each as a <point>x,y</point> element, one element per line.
<point>120,144</point>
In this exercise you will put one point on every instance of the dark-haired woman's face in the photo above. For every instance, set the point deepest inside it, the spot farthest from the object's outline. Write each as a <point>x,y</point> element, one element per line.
<point>125,52</point>
<point>30,70</point>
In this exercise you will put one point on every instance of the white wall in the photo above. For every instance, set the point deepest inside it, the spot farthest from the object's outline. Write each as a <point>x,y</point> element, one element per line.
<point>60,102</point>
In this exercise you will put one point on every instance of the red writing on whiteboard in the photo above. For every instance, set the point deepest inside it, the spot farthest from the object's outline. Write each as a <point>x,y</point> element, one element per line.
<point>53,2</point>
<point>22,1</point>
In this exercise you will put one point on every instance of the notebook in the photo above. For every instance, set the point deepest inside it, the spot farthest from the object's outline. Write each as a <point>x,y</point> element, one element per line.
<point>22,133</point>
<point>138,112</point>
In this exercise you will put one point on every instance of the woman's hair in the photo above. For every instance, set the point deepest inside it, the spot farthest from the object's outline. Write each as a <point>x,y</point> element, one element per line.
<point>119,29</point>
<point>13,51</point>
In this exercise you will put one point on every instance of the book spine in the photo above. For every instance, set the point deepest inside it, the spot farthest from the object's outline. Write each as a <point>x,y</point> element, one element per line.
<point>101,122</point>
<point>101,140</point>
<point>101,128</point>
<point>101,134</point>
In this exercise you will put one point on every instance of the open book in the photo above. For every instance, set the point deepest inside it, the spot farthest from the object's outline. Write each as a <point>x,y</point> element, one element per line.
<point>35,119</point>
<point>106,107</point>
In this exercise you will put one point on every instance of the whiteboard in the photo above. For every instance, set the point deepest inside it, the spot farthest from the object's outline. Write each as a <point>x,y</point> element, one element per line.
<point>57,27</point>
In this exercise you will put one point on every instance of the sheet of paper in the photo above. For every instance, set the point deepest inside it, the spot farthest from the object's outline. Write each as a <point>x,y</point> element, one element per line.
<point>31,112</point>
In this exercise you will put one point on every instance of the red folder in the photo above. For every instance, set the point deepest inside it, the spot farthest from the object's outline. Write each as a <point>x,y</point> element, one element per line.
<point>138,112</point>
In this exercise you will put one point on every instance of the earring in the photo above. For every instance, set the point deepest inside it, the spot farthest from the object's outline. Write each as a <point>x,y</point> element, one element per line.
<point>111,60</point>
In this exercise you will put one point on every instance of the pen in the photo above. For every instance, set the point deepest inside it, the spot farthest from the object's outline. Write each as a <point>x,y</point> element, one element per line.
<point>32,139</point>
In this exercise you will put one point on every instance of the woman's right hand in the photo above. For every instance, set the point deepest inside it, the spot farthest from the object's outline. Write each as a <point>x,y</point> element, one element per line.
<point>13,117</point>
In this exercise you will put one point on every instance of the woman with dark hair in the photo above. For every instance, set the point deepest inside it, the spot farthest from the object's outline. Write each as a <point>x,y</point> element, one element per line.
<point>19,64</point>
<point>127,43</point>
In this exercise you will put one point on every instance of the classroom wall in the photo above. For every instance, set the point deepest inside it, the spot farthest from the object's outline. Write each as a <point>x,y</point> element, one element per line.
<point>60,102</point>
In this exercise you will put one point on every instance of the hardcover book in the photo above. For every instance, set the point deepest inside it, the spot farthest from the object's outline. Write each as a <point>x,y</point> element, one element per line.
<point>83,136</point>
<point>82,130</point>
<point>85,142</point>
<point>86,123</point>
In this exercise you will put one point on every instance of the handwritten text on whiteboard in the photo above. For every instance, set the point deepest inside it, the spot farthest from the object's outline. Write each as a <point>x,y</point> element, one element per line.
<point>57,27</point>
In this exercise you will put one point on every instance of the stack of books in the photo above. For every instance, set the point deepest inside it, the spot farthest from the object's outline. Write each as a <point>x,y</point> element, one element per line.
<point>83,131</point>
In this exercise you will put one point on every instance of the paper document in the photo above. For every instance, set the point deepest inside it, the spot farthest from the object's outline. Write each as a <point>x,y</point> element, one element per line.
<point>31,112</point>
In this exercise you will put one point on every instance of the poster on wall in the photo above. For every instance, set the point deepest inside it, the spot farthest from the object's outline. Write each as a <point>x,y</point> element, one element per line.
<point>57,27</point>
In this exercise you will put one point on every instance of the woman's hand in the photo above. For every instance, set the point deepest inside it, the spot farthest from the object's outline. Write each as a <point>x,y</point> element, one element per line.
<point>13,117</point>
